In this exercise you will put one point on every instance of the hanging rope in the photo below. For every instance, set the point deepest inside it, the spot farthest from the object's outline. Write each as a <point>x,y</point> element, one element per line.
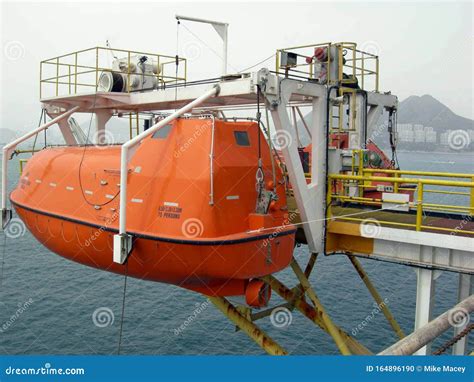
<point>45,130</point>
<point>3,257</point>
<point>82,161</point>
<point>107,43</point>
<point>178,23</point>
<point>123,309</point>
<point>36,135</point>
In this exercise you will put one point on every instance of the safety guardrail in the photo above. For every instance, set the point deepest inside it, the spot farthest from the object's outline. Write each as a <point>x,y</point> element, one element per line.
<point>79,71</point>
<point>360,65</point>
<point>338,191</point>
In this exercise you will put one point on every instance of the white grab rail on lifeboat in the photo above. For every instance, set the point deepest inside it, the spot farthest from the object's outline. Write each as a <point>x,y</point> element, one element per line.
<point>8,149</point>
<point>123,241</point>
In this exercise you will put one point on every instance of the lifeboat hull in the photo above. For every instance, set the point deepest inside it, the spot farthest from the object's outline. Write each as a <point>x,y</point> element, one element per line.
<point>219,267</point>
<point>68,199</point>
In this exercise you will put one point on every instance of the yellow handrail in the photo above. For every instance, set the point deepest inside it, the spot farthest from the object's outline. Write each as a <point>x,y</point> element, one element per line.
<point>420,204</point>
<point>72,72</point>
<point>421,173</point>
<point>347,58</point>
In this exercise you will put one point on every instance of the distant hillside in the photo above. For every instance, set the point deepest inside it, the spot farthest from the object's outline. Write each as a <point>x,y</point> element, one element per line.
<point>428,111</point>
<point>6,136</point>
<point>425,110</point>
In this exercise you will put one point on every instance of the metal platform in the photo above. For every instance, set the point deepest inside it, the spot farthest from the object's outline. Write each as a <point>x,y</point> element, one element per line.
<point>324,228</point>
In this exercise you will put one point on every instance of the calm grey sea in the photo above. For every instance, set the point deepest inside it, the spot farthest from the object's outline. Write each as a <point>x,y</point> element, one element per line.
<point>64,296</point>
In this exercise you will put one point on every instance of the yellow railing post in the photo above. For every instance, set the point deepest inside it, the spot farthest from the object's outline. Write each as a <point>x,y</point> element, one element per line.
<point>277,61</point>
<point>362,70</point>
<point>22,163</point>
<point>57,76</point>
<point>328,65</point>
<point>472,198</point>
<point>41,78</point>
<point>419,206</point>
<point>377,74</point>
<point>395,186</point>
<point>75,73</point>
<point>96,68</point>
<point>361,172</point>
<point>128,76</point>
<point>138,128</point>
<point>328,200</point>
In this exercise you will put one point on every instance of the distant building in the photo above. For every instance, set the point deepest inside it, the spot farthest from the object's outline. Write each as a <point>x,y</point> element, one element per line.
<point>444,138</point>
<point>419,135</point>
<point>471,135</point>
<point>401,127</point>
<point>406,136</point>
<point>431,136</point>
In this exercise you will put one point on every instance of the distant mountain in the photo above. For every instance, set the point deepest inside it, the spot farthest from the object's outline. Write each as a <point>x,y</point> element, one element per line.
<point>428,111</point>
<point>6,136</point>
<point>425,110</point>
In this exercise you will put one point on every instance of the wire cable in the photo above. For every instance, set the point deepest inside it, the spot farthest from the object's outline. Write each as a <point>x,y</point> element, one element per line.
<point>258,63</point>
<point>123,309</point>
<point>3,257</point>
<point>208,47</point>
<point>82,161</point>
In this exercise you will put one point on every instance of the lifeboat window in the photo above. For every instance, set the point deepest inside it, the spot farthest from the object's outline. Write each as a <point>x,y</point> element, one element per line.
<point>162,133</point>
<point>242,138</point>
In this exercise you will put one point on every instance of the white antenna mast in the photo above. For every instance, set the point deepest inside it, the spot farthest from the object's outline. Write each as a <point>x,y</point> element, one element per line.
<point>221,28</point>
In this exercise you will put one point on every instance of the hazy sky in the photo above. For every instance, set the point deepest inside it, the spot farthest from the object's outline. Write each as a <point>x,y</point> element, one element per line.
<point>425,48</point>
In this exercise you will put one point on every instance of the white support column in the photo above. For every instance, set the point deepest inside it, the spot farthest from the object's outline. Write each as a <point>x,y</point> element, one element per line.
<point>317,187</point>
<point>425,291</point>
<point>464,291</point>
<point>357,137</point>
<point>67,133</point>
<point>373,115</point>
<point>309,198</point>
<point>101,118</point>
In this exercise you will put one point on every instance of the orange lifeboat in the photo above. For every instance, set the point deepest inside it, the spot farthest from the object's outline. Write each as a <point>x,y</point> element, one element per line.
<point>198,216</point>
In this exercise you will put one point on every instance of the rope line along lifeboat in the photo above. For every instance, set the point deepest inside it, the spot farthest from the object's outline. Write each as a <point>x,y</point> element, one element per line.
<point>206,208</point>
